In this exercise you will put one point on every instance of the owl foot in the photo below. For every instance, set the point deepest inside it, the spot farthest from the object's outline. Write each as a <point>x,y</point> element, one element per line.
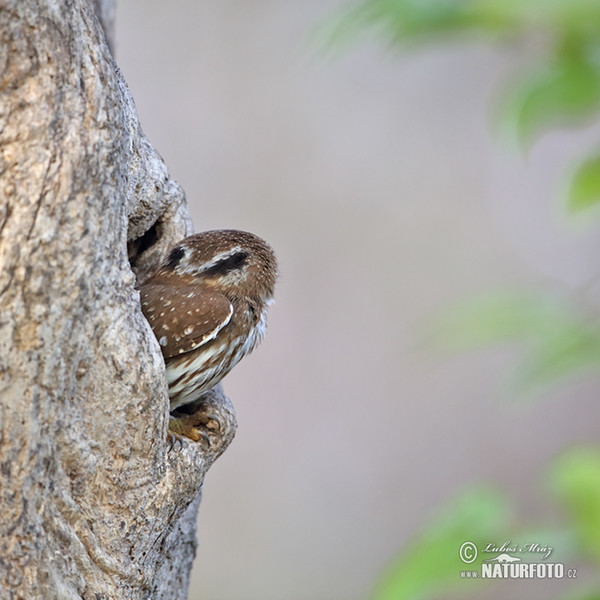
<point>194,427</point>
<point>209,420</point>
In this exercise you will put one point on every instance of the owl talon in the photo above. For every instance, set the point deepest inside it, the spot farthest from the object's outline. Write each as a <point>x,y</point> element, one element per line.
<point>213,423</point>
<point>198,435</point>
<point>174,439</point>
<point>180,428</point>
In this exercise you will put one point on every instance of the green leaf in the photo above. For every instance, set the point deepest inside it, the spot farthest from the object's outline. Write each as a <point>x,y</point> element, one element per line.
<point>432,563</point>
<point>584,191</point>
<point>566,348</point>
<point>402,20</point>
<point>575,478</point>
<point>557,94</point>
<point>556,339</point>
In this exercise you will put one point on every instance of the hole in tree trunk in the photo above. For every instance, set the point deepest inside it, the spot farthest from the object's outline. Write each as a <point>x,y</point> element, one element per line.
<point>137,247</point>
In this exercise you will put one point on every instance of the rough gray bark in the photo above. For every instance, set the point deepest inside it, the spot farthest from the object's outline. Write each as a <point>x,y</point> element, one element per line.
<point>93,504</point>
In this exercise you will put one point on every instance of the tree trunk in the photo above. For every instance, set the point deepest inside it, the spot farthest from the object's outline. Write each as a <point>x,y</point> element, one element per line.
<point>93,502</point>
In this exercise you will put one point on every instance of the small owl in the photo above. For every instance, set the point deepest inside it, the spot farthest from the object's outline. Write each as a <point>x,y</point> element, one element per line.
<point>207,305</point>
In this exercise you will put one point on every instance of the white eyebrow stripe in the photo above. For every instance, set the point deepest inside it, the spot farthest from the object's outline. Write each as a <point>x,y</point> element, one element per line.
<point>223,256</point>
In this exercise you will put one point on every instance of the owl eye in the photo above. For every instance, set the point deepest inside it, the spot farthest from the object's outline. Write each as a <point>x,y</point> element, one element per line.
<point>230,263</point>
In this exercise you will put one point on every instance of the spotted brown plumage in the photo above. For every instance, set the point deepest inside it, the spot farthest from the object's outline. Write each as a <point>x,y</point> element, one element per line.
<point>207,305</point>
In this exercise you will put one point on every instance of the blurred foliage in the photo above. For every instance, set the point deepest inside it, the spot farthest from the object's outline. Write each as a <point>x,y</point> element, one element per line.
<point>561,88</point>
<point>585,186</point>
<point>575,479</point>
<point>432,563</point>
<point>430,567</point>
<point>557,339</point>
<point>564,90</point>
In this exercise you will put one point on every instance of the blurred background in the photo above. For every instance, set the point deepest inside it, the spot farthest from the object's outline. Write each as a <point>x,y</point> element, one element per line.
<point>375,173</point>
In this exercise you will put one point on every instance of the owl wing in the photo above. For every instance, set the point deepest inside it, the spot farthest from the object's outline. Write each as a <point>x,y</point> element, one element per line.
<point>184,318</point>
